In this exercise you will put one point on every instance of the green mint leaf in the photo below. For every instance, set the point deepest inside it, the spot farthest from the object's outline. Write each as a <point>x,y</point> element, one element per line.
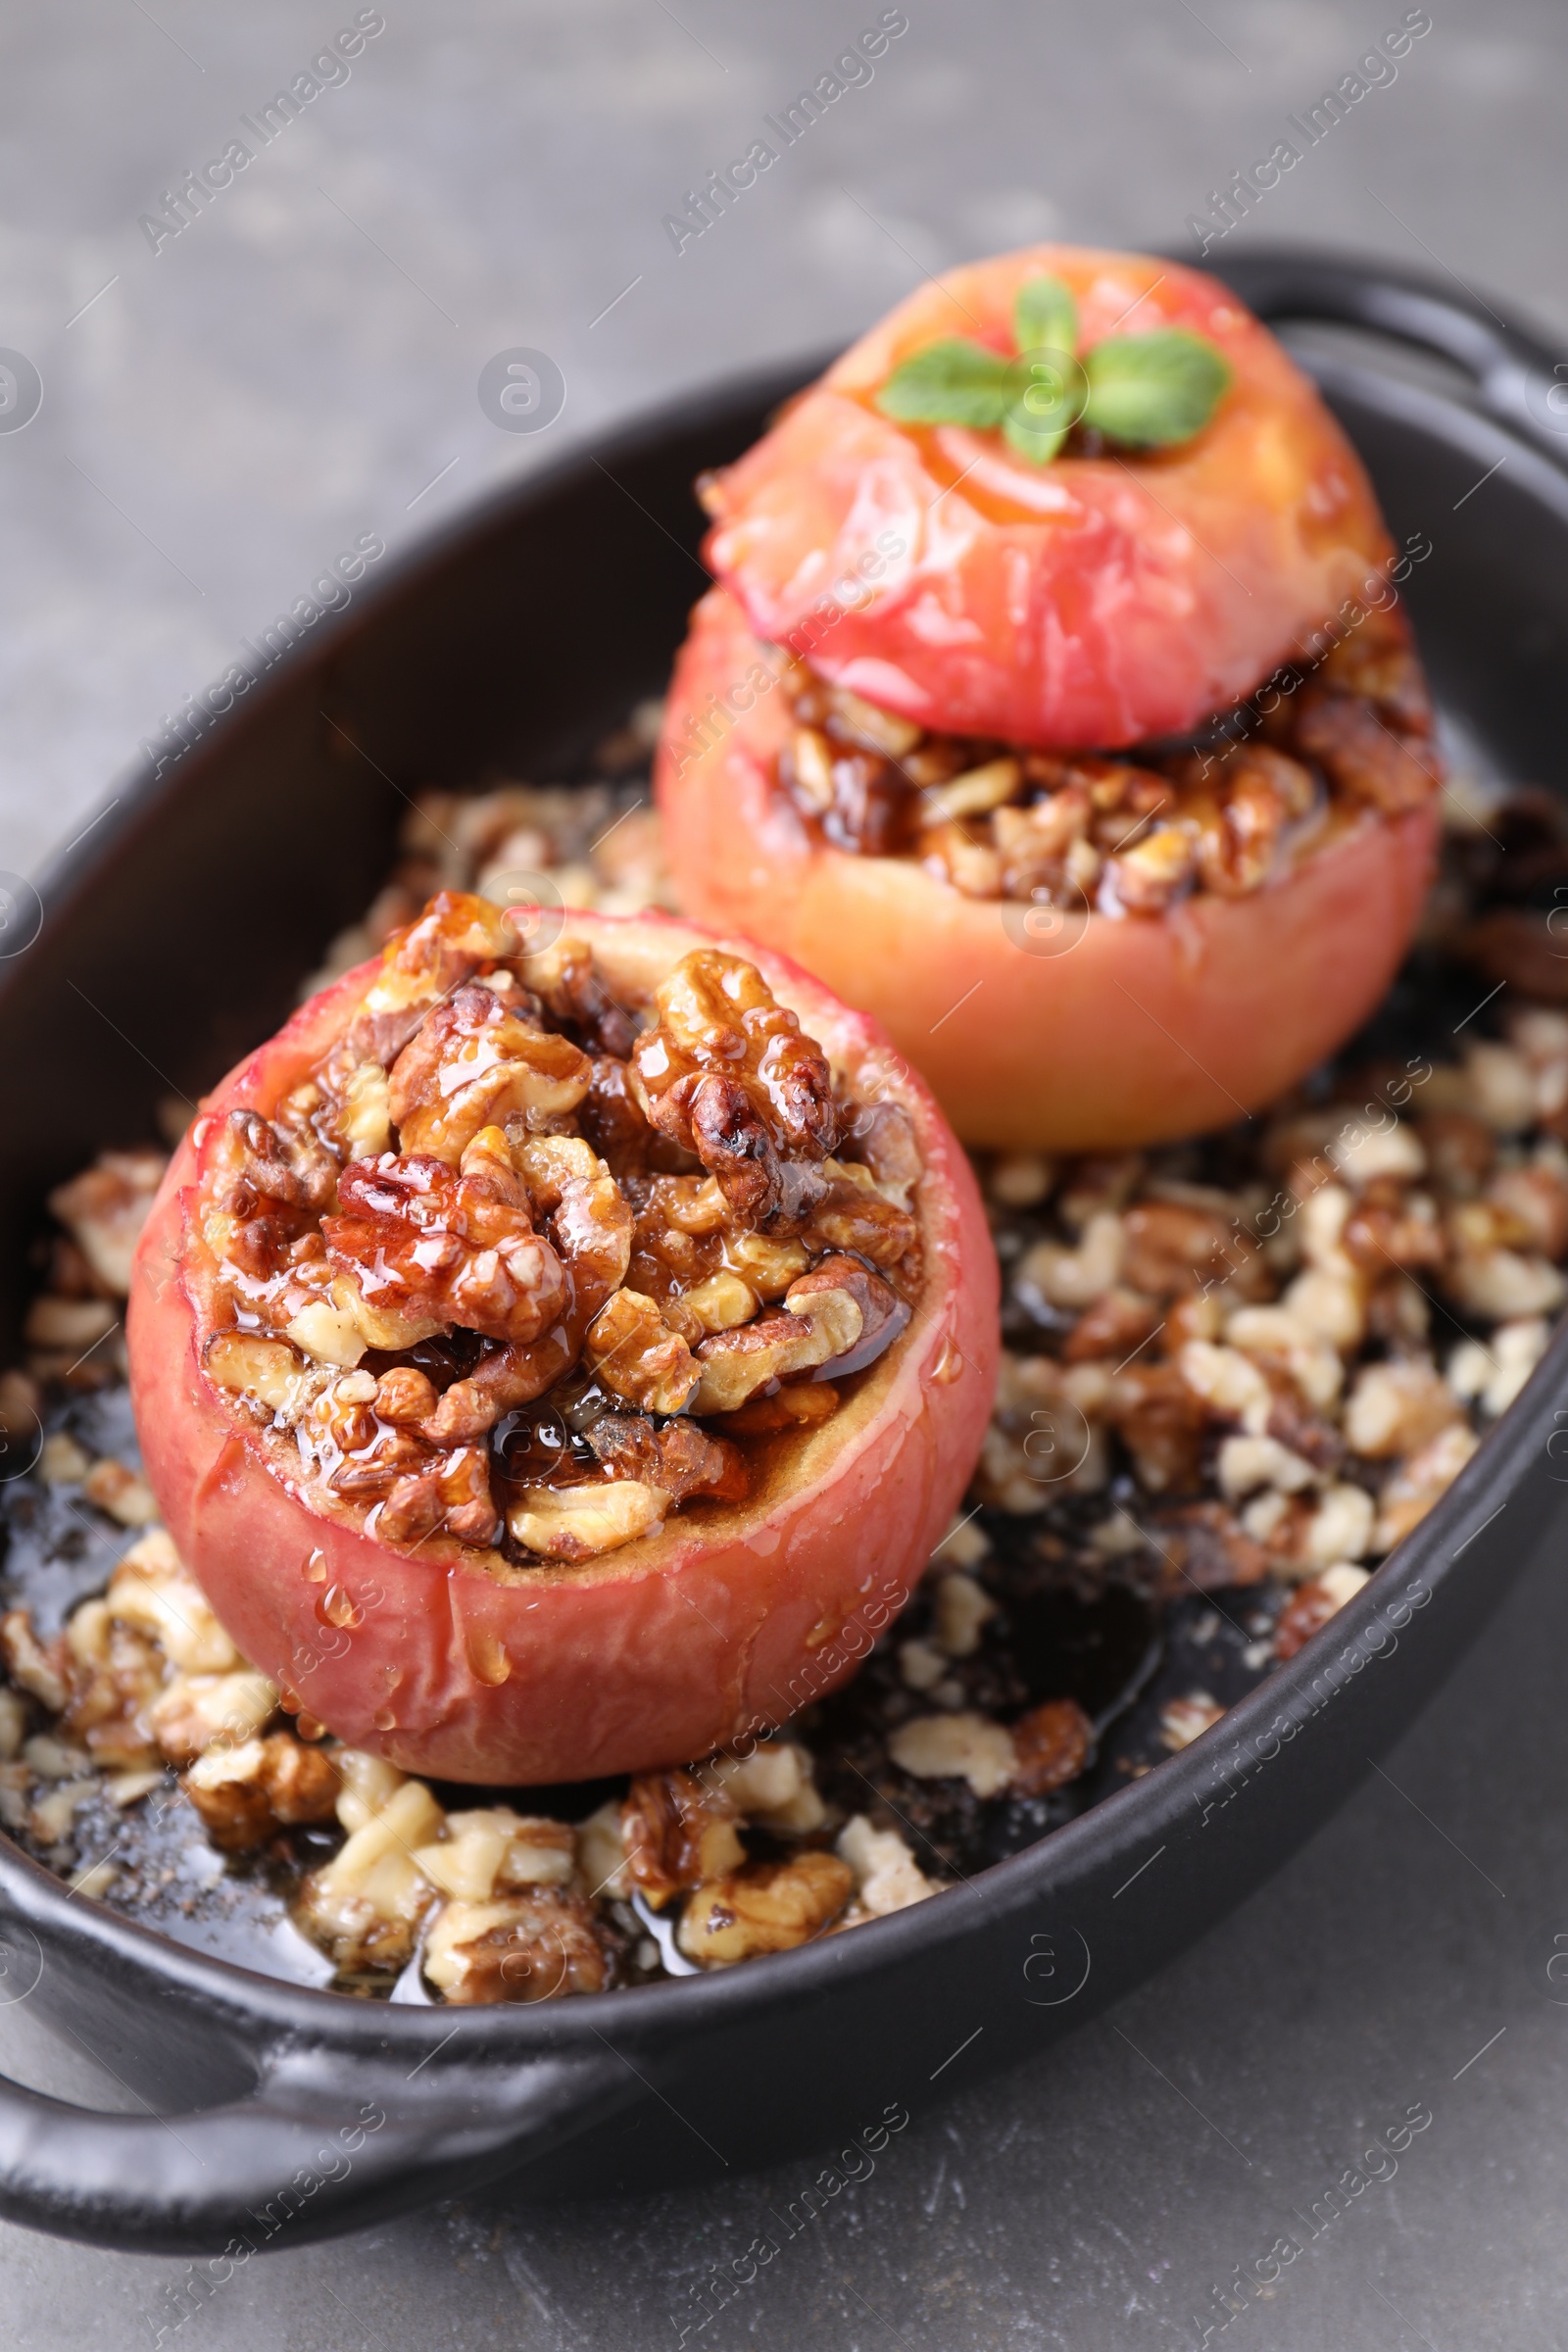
<point>1052,391</point>
<point>1045,315</point>
<point>957,382</point>
<point>1151,391</point>
<point>1030,441</point>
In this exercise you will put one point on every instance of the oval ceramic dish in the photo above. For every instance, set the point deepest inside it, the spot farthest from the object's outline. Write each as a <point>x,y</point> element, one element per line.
<point>508,643</point>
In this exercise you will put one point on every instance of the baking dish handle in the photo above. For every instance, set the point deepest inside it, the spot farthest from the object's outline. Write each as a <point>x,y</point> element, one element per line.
<point>318,2147</point>
<point>1518,382</point>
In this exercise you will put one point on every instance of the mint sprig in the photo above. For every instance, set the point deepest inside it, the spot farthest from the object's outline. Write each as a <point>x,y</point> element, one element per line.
<point>957,382</point>
<point>1151,391</point>
<point>1045,315</point>
<point>1154,390</point>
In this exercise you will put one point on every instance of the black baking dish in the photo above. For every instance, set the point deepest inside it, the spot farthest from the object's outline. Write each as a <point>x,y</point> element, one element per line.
<point>504,645</point>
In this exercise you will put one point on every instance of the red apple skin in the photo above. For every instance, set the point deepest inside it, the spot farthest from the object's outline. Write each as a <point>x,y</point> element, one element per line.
<point>1143,1031</point>
<point>723,1624</point>
<point>1088,603</point>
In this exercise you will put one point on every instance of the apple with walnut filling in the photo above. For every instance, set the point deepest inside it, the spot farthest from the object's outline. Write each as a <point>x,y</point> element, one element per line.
<point>542,1359</point>
<point>1096,763</point>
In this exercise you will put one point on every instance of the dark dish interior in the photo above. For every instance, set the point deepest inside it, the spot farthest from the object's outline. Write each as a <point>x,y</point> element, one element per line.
<point>354,733</point>
<point>1130,1640</point>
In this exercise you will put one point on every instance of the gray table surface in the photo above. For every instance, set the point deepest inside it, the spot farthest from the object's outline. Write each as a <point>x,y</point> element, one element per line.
<point>299,365</point>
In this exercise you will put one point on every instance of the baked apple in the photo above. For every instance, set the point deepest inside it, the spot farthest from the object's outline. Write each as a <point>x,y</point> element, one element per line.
<point>557,1363</point>
<point>1056,704</point>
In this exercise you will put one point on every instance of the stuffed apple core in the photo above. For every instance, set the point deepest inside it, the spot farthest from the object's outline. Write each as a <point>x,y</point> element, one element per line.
<point>531,1273</point>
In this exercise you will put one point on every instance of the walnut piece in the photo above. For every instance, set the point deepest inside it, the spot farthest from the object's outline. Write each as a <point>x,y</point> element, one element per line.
<point>677,1833</point>
<point>421,965</point>
<point>679,1458</point>
<point>579,1523</point>
<point>632,1352</point>
<point>474,1062</point>
<point>569,984</point>
<point>727,1073</point>
<point>453,1493</point>
<point>960,1747</point>
<point>454,1249</point>
<point>887,1876</point>
<point>534,1946</point>
<point>1052,1742</point>
<point>841,1315</point>
<point>767,1907</point>
<point>493,1850</point>
<point>365,1906</point>
<point>105,1209</point>
<point>245,1793</point>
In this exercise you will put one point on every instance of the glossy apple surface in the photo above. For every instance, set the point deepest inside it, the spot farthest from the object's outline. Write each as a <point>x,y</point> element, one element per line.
<point>448,1661</point>
<point>1090,602</point>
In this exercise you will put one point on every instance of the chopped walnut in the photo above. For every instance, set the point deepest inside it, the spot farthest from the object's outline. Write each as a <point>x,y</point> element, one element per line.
<point>840,1315</point>
<point>451,1493</point>
<point>1312,1604</point>
<point>1242,823</point>
<point>365,1906</point>
<point>117,1679</point>
<point>577,1523</point>
<point>1169,1250</point>
<point>194,1712</point>
<point>854,1213</point>
<point>1155,870</point>
<point>773,1786</point>
<point>1361,754</point>
<point>1158,1412</point>
<point>803,1407</point>
<point>1205,1545</point>
<point>1461,1151</point>
<point>1245,1463</point>
<point>477,1062</point>
<point>152,1589</point>
<point>1182,1720</point>
<point>1118,1324</point>
<point>246,1794</point>
<point>1052,1742</point>
<point>887,1876</point>
<point>533,1946</point>
<point>1419,1482</point>
<point>1535,1202</point>
<point>1394,1408</point>
<point>423,964</point>
<point>105,1209</point>
<point>270,1372</point>
<point>881,1136</point>
<point>961,1610</point>
<point>1034,842</point>
<point>632,1350</point>
<point>1493,1374</point>
<point>728,1074</point>
<point>677,1834</point>
<point>951,852</point>
<point>121,1492</point>
<point>1074,1278</point>
<point>570,986</point>
<point>960,1746</point>
<point>67,1323</point>
<point>31,1664</point>
<point>444,1249</point>
<point>62,1462</point>
<point>678,1458</point>
<point>494,1850</point>
<point>767,1907</point>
